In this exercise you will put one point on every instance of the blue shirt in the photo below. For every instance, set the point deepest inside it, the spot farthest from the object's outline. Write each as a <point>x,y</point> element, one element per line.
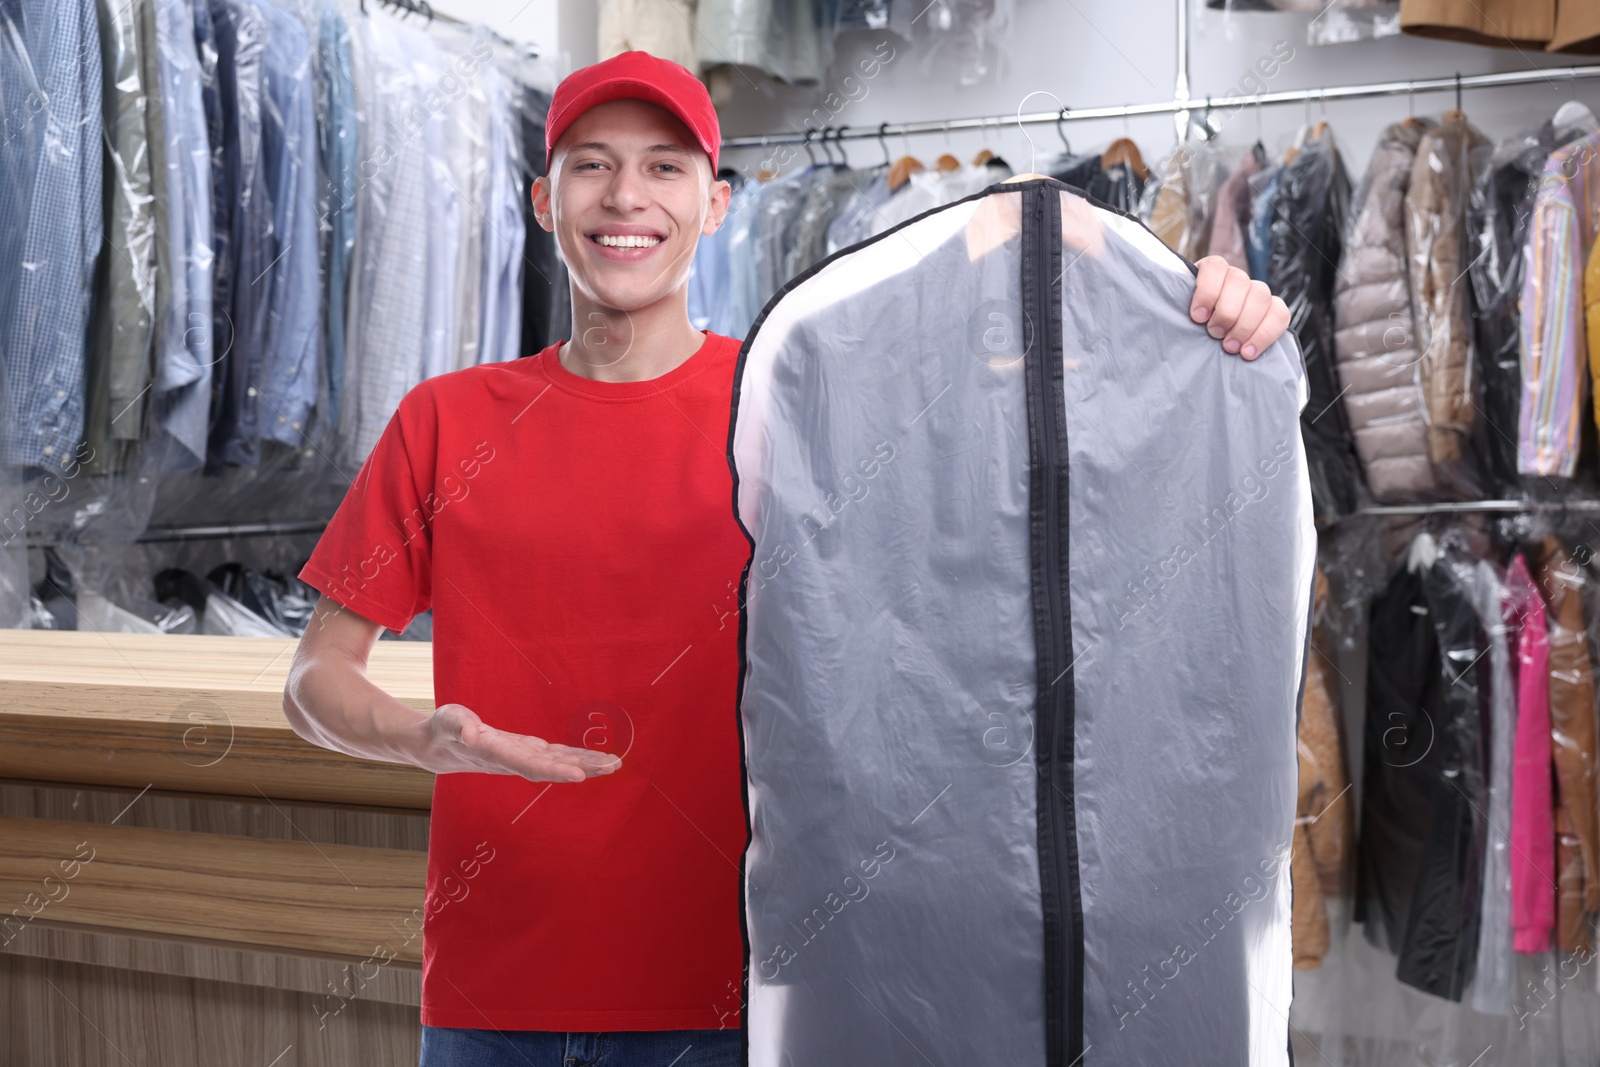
<point>289,143</point>
<point>339,167</point>
<point>184,348</point>
<point>51,222</point>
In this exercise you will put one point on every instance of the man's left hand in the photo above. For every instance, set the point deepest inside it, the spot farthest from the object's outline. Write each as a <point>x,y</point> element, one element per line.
<point>1242,314</point>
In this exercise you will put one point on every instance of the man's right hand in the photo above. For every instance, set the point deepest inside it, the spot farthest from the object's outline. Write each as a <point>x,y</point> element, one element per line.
<point>329,701</point>
<point>455,739</point>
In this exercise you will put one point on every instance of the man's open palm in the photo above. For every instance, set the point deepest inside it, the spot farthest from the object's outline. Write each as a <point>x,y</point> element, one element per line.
<point>461,741</point>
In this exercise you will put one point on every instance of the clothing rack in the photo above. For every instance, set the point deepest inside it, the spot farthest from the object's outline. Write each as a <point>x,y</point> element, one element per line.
<point>416,7</point>
<point>1176,106</point>
<point>1471,507</point>
<point>208,533</point>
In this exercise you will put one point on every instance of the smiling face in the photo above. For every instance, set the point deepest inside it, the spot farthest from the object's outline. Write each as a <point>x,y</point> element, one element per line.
<point>629,194</point>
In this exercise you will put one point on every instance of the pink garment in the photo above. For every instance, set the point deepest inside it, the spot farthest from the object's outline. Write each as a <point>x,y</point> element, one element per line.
<point>1533,831</point>
<point>1233,214</point>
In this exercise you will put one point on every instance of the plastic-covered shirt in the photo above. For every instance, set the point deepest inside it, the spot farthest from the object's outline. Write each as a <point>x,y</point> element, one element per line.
<point>184,348</point>
<point>289,385</point>
<point>51,219</point>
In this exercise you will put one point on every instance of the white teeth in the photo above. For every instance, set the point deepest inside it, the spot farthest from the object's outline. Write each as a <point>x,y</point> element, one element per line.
<point>628,241</point>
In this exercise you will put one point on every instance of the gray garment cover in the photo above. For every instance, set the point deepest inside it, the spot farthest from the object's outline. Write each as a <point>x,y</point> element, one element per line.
<point>1376,340</point>
<point>1023,643</point>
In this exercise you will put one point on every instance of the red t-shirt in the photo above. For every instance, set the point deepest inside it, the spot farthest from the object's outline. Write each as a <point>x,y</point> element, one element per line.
<point>577,543</point>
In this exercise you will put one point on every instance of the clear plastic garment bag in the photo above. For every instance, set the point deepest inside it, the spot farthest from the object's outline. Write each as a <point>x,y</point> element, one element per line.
<point>1023,643</point>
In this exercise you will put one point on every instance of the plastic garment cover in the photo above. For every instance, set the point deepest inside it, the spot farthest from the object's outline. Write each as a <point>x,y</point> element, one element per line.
<point>181,176</point>
<point>51,221</point>
<point>928,189</point>
<point>1308,221</point>
<point>1421,843</point>
<point>1497,229</point>
<point>1561,231</point>
<point>386,338</point>
<point>1533,864</point>
<point>1011,783</point>
<point>1258,240</point>
<point>119,353</point>
<point>1179,202</point>
<point>1572,742</point>
<point>505,235</point>
<point>1494,974</point>
<point>781,37</point>
<point>1449,161</point>
<point>1231,219</point>
<point>267,595</point>
<point>968,37</point>
<point>1375,340</point>
<point>1323,829</point>
<point>1329,21</point>
<point>1119,185</point>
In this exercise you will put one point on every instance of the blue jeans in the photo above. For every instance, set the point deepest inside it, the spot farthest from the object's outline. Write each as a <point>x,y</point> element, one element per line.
<point>450,1047</point>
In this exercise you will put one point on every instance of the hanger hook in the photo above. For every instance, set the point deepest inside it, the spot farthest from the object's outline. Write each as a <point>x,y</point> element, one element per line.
<point>807,143</point>
<point>1061,131</point>
<point>838,139</point>
<point>1458,90</point>
<point>1033,149</point>
<point>883,143</point>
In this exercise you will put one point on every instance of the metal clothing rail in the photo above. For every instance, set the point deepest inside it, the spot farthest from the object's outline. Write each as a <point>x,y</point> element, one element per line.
<point>207,533</point>
<point>1470,507</point>
<point>1551,75</point>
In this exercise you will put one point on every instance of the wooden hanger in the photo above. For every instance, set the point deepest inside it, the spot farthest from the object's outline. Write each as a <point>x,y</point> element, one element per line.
<point>982,158</point>
<point>1123,150</point>
<point>903,169</point>
<point>947,162</point>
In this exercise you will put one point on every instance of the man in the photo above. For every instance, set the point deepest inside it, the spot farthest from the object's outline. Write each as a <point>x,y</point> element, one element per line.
<point>568,517</point>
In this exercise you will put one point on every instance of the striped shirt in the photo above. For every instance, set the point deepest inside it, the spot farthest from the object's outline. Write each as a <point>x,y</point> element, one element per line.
<point>1566,213</point>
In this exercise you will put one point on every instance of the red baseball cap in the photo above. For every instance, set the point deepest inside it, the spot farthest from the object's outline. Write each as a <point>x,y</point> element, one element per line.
<point>635,76</point>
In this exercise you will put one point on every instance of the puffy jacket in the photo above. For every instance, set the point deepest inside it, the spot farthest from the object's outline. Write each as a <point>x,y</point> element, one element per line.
<point>1376,337</point>
<point>1572,743</point>
<point>1448,162</point>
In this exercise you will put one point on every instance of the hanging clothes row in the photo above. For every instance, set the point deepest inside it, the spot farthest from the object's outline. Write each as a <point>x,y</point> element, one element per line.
<point>233,226</point>
<point>1479,831</point>
<point>776,228</point>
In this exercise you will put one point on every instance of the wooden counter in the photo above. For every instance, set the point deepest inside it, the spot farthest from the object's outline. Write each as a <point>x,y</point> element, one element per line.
<point>242,880</point>
<point>190,713</point>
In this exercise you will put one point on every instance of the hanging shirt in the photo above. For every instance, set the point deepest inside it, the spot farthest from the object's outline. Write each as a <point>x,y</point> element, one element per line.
<point>51,221</point>
<point>244,289</point>
<point>184,349</point>
<point>289,385</point>
<point>1566,215</point>
<point>338,146</point>
<point>120,350</point>
<point>389,269</point>
<point>505,234</point>
<point>575,542</point>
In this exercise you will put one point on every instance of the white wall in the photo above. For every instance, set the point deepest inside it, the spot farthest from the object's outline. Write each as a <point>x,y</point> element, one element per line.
<point>1092,53</point>
<point>1109,52</point>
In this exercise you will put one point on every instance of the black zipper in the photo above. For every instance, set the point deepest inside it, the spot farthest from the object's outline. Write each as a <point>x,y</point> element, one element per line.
<point>1061,903</point>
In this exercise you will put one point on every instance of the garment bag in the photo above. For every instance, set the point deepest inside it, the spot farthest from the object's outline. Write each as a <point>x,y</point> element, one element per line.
<point>1023,639</point>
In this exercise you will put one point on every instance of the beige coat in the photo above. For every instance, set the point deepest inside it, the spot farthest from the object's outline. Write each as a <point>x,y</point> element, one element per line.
<point>1375,341</point>
<point>1449,160</point>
